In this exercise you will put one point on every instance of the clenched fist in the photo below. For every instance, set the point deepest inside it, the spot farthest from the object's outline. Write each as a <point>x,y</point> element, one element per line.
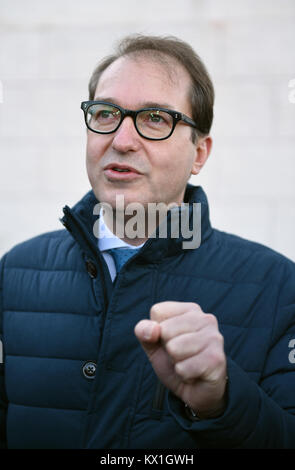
<point>185,348</point>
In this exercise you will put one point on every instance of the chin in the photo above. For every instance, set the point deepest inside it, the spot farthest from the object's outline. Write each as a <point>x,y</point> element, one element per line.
<point>114,197</point>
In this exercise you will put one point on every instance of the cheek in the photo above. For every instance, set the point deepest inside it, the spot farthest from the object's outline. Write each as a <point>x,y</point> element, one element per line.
<point>94,153</point>
<point>95,147</point>
<point>176,162</point>
<point>92,149</point>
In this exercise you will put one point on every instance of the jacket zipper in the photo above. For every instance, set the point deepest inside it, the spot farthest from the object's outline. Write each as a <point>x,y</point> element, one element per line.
<point>70,222</point>
<point>158,401</point>
<point>94,250</point>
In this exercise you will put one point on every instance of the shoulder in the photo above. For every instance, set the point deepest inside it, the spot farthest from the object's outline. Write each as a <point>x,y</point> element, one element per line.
<point>237,242</point>
<point>251,259</point>
<point>47,251</point>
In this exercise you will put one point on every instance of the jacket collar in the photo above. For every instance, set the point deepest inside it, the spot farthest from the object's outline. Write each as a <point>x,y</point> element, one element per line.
<point>82,218</point>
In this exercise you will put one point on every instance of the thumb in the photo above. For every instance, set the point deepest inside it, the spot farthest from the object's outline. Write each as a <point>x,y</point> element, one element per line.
<point>148,333</point>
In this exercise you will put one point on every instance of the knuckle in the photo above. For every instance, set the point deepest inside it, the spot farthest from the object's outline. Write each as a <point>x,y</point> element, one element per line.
<point>167,333</point>
<point>172,349</point>
<point>216,358</point>
<point>155,313</point>
<point>180,370</point>
<point>211,319</point>
<point>202,370</point>
<point>217,337</point>
<point>220,339</point>
<point>194,308</point>
<point>187,369</point>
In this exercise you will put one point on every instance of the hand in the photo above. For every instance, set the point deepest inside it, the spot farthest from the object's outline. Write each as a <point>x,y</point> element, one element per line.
<point>185,348</point>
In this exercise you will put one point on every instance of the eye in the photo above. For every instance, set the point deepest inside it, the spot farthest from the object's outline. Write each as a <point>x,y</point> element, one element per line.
<point>103,117</point>
<point>155,117</point>
<point>104,114</point>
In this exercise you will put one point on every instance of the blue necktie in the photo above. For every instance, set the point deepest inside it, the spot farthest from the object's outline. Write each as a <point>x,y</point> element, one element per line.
<point>121,255</point>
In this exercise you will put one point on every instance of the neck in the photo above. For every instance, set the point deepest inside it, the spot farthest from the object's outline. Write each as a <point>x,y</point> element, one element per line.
<point>138,224</point>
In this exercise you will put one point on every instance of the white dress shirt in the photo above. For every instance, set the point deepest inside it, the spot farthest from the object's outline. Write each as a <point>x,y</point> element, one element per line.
<point>108,240</point>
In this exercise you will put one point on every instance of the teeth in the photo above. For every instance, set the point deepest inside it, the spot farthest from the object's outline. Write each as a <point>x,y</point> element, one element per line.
<point>120,169</point>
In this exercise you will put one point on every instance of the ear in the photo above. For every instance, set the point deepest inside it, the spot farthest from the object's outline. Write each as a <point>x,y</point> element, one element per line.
<point>203,149</point>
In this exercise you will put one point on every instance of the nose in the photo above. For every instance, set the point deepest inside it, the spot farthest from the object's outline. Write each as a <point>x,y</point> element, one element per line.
<point>126,138</point>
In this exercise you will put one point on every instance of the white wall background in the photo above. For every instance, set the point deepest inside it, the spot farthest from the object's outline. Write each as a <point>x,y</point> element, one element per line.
<point>48,50</point>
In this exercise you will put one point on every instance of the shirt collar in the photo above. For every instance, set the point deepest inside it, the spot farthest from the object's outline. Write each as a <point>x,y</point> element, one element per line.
<point>82,218</point>
<point>108,240</point>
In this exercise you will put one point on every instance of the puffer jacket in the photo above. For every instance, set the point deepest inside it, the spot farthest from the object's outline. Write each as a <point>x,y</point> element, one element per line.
<point>75,375</point>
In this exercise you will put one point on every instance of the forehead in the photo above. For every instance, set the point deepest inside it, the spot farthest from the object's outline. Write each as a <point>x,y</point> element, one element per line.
<point>132,81</point>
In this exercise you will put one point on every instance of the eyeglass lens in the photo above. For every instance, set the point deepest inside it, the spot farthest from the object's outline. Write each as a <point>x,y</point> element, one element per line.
<point>104,118</point>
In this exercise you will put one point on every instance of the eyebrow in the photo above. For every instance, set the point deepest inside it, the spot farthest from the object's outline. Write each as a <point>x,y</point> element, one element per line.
<point>145,104</point>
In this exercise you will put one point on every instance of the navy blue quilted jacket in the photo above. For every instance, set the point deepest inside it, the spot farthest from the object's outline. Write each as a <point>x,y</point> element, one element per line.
<point>74,374</point>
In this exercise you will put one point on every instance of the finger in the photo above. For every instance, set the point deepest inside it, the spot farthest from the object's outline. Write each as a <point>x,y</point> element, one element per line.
<point>148,333</point>
<point>187,345</point>
<point>208,366</point>
<point>164,310</point>
<point>189,322</point>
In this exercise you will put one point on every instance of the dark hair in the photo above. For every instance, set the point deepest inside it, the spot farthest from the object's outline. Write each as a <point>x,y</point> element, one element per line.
<point>201,92</point>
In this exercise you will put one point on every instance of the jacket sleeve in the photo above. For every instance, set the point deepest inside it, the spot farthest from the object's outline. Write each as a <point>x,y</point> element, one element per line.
<point>257,415</point>
<point>3,399</point>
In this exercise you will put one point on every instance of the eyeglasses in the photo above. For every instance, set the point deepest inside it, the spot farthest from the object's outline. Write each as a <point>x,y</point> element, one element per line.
<point>151,123</point>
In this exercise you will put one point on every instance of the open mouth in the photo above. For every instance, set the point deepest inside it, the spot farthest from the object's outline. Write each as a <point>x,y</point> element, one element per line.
<point>116,172</point>
<point>121,170</point>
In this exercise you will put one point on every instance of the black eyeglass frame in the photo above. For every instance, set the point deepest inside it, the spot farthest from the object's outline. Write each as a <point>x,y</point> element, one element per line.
<point>176,115</point>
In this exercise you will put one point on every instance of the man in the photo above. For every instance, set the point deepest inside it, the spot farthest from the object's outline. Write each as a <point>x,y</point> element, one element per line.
<point>178,348</point>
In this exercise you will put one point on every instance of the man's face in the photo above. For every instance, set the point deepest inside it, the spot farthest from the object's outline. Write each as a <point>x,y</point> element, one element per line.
<point>162,168</point>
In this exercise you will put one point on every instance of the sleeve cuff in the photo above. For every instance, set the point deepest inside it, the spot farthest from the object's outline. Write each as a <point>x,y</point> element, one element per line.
<point>237,421</point>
